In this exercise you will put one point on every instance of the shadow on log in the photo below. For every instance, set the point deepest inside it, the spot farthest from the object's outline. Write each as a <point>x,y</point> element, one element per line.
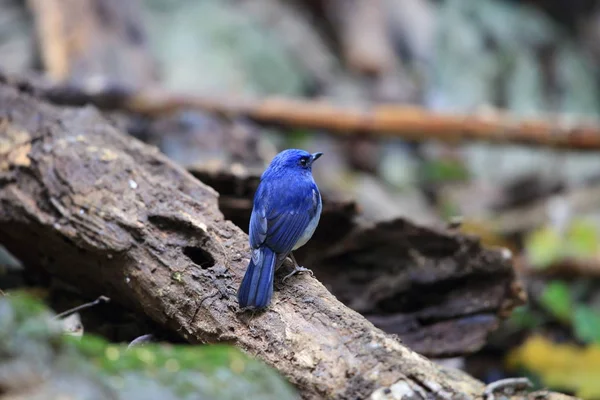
<point>113,216</point>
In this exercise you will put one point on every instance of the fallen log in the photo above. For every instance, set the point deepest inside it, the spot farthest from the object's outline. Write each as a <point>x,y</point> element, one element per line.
<point>112,216</point>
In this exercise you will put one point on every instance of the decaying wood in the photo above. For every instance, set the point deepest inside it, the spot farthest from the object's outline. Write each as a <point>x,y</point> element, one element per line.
<point>406,122</point>
<point>93,43</point>
<point>439,293</point>
<point>113,216</point>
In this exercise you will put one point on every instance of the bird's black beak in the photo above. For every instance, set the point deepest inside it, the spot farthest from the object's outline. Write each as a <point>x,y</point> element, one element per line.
<point>315,156</point>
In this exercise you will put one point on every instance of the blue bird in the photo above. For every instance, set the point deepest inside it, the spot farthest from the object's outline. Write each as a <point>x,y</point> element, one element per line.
<point>286,212</point>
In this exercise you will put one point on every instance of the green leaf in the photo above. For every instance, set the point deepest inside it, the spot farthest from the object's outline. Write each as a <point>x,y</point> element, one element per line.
<point>587,324</point>
<point>582,240</point>
<point>524,318</point>
<point>556,299</point>
<point>543,247</point>
<point>546,246</point>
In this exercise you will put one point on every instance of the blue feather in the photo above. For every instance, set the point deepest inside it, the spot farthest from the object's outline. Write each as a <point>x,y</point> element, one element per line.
<point>286,211</point>
<point>256,289</point>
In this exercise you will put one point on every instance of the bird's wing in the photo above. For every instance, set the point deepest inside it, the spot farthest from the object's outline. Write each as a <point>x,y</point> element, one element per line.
<point>285,228</point>
<point>258,226</point>
<point>279,219</point>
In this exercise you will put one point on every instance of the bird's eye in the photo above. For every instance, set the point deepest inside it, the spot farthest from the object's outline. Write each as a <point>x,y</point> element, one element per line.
<point>303,161</point>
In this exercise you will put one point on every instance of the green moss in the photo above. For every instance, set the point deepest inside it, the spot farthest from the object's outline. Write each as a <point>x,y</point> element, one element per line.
<point>29,334</point>
<point>176,276</point>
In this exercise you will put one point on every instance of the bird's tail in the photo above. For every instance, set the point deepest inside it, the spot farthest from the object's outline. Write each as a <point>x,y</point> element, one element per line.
<point>256,289</point>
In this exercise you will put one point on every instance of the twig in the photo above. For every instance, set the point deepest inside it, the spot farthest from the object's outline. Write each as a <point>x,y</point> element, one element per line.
<point>505,385</point>
<point>406,122</point>
<point>101,299</point>
<point>141,341</point>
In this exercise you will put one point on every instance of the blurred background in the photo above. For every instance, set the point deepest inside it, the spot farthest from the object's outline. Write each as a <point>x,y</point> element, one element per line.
<point>517,59</point>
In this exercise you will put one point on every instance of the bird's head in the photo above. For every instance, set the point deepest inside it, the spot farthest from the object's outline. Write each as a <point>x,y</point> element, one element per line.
<point>293,160</point>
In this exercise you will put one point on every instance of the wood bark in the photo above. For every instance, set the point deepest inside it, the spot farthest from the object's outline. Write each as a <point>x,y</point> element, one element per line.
<point>113,216</point>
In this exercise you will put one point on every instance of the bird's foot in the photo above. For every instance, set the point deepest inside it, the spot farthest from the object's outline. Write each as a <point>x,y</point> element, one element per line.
<point>297,269</point>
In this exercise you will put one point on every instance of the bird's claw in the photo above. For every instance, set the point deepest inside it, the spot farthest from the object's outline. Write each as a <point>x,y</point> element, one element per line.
<point>297,269</point>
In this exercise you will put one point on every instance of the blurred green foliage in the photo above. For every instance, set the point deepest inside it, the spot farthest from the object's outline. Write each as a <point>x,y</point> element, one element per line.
<point>586,322</point>
<point>444,170</point>
<point>543,247</point>
<point>547,246</point>
<point>37,358</point>
<point>560,366</point>
<point>522,317</point>
<point>562,300</point>
<point>556,299</point>
<point>299,138</point>
<point>583,240</point>
<point>559,302</point>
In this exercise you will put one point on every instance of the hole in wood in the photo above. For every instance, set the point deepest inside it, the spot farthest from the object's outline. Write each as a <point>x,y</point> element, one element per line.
<point>199,257</point>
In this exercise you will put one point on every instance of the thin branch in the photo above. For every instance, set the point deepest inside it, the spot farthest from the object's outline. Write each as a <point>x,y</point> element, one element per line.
<point>141,341</point>
<point>406,122</point>
<point>101,299</point>
<point>508,386</point>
